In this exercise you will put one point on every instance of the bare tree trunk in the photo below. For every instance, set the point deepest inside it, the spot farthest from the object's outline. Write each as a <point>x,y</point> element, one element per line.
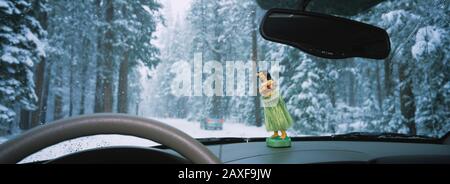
<point>39,80</point>
<point>39,73</point>
<point>71,84</point>
<point>84,79</point>
<point>44,98</point>
<point>57,113</point>
<point>137,108</point>
<point>407,102</point>
<point>257,110</point>
<point>379,91</point>
<point>108,60</point>
<point>58,101</point>
<point>24,119</point>
<point>389,84</point>
<point>389,65</point>
<point>352,90</point>
<point>216,102</point>
<point>388,81</point>
<point>122,105</point>
<point>98,104</point>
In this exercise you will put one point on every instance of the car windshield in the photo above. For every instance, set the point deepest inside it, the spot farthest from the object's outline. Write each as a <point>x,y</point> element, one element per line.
<point>192,64</point>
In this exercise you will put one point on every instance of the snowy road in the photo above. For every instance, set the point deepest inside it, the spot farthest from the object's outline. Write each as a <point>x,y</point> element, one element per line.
<point>192,128</point>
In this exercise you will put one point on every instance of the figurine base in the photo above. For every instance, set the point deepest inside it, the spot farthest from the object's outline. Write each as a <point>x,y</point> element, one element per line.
<point>277,142</point>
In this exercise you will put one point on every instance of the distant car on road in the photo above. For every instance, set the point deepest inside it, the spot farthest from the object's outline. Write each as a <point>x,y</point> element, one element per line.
<point>212,123</point>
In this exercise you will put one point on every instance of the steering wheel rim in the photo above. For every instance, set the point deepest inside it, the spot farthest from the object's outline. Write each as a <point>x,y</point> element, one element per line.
<point>47,135</point>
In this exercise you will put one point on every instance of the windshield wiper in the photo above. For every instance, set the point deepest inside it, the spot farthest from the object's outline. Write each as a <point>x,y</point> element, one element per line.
<point>219,140</point>
<point>382,135</point>
<point>222,140</point>
<point>353,136</point>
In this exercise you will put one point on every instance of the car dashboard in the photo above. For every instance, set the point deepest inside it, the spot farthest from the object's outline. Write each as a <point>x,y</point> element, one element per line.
<point>329,152</point>
<point>256,152</point>
<point>311,152</point>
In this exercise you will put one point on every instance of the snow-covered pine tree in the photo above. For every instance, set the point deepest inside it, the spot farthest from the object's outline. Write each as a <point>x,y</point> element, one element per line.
<point>430,53</point>
<point>208,32</point>
<point>309,104</point>
<point>21,47</point>
<point>243,44</point>
<point>370,113</point>
<point>431,56</point>
<point>400,24</point>
<point>135,26</point>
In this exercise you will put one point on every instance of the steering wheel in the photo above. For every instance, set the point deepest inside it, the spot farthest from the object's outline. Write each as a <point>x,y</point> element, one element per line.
<point>47,135</point>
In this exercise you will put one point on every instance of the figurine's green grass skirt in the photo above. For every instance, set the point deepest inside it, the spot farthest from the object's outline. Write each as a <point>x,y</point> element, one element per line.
<point>277,117</point>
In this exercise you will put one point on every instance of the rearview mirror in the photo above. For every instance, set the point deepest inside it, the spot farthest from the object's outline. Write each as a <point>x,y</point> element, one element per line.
<point>325,35</point>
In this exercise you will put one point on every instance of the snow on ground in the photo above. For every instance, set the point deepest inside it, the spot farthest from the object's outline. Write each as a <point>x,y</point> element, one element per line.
<point>230,129</point>
<point>3,139</point>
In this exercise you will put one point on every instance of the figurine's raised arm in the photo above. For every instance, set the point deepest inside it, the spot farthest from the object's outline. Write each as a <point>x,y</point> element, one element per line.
<point>268,85</point>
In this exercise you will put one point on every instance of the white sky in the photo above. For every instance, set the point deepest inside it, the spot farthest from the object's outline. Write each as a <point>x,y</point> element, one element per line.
<point>179,7</point>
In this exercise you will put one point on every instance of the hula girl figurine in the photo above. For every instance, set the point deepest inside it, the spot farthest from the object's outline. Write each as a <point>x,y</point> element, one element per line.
<point>276,116</point>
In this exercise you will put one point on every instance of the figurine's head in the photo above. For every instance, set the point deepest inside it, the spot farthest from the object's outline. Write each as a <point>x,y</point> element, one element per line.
<point>264,76</point>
